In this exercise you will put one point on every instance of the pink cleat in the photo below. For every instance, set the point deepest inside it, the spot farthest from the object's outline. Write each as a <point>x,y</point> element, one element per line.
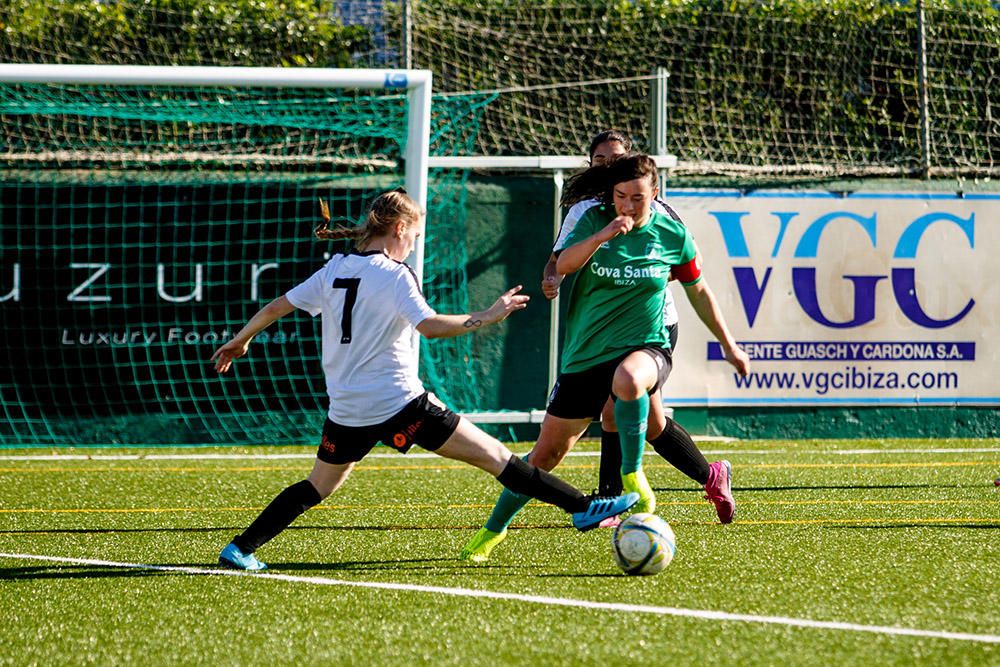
<point>719,490</point>
<point>610,522</point>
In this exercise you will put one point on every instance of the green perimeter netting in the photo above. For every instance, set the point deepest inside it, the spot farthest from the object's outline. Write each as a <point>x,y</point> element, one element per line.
<point>140,227</point>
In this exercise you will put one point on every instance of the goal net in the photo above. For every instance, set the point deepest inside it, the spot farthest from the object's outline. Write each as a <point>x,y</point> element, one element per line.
<point>794,88</point>
<point>144,220</point>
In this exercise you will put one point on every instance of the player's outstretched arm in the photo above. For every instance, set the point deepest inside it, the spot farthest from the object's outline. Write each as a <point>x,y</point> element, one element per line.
<point>703,301</point>
<point>449,326</point>
<point>237,347</point>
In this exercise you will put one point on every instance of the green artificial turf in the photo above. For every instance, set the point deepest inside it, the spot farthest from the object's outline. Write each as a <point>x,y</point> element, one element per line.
<point>898,536</point>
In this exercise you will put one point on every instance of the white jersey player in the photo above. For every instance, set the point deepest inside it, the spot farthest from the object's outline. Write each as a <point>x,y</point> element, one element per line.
<point>370,304</point>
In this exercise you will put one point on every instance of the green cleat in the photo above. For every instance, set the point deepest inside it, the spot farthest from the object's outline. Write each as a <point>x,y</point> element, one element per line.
<point>479,547</point>
<point>635,482</point>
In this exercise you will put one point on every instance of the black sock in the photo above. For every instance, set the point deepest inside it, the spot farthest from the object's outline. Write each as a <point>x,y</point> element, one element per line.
<point>676,446</point>
<point>522,477</point>
<point>285,508</point>
<point>610,477</point>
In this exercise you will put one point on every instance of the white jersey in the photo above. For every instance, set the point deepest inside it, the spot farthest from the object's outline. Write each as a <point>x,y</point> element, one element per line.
<point>370,306</point>
<point>573,216</point>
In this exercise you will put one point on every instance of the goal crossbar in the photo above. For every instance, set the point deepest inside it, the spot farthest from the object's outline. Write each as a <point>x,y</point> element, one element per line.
<point>416,83</point>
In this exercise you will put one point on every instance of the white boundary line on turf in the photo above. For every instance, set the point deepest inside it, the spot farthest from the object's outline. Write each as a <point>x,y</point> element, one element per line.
<point>535,599</point>
<point>428,455</point>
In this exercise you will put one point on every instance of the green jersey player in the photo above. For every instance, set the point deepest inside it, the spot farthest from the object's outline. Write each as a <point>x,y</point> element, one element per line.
<point>677,448</point>
<point>616,340</point>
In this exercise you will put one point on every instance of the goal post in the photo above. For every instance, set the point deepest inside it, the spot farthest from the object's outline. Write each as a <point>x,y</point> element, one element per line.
<point>146,212</point>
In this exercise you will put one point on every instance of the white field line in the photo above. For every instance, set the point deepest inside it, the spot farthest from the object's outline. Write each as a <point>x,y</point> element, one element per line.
<point>536,599</point>
<point>428,455</point>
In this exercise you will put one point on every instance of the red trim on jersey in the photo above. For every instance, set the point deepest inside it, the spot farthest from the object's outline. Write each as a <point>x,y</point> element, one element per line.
<point>687,273</point>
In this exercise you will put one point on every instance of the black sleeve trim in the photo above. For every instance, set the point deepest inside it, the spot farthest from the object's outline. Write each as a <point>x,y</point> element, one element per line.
<point>414,274</point>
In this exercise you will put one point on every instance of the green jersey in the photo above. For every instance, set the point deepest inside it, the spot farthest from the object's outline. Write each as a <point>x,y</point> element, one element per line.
<point>616,304</point>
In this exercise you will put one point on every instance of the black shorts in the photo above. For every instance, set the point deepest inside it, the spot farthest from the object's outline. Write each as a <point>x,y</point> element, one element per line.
<point>672,332</point>
<point>582,395</point>
<point>421,422</point>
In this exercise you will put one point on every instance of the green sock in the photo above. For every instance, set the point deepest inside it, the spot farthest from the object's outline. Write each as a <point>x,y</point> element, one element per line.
<point>631,417</point>
<point>507,507</point>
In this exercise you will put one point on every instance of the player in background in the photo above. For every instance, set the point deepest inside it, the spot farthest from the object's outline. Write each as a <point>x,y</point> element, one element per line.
<point>676,447</point>
<point>616,341</point>
<point>370,304</point>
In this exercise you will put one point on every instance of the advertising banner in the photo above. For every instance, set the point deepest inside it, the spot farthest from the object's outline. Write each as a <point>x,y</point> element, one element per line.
<point>859,299</point>
<point>114,308</point>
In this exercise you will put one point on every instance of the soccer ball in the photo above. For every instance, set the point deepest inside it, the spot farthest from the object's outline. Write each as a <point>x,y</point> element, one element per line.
<point>643,544</point>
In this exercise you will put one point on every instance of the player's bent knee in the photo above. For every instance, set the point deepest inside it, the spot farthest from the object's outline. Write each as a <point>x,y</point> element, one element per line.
<point>632,381</point>
<point>627,389</point>
<point>546,458</point>
<point>608,417</point>
<point>328,477</point>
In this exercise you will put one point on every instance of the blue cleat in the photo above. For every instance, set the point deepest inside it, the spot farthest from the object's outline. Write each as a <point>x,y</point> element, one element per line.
<point>232,557</point>
<point>602,507</point>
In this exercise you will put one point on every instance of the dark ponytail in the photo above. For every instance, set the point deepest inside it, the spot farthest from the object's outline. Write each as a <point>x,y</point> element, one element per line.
<point>599,181</point>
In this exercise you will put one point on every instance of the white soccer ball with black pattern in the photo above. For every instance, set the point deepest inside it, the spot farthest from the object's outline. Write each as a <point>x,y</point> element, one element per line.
<point>643,544</point>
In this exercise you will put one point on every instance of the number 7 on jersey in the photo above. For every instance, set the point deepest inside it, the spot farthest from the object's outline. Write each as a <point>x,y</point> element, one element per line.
<point>351,285</point>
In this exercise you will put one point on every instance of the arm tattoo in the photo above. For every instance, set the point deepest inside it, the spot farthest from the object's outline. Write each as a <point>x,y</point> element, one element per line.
<point>472,323</point>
